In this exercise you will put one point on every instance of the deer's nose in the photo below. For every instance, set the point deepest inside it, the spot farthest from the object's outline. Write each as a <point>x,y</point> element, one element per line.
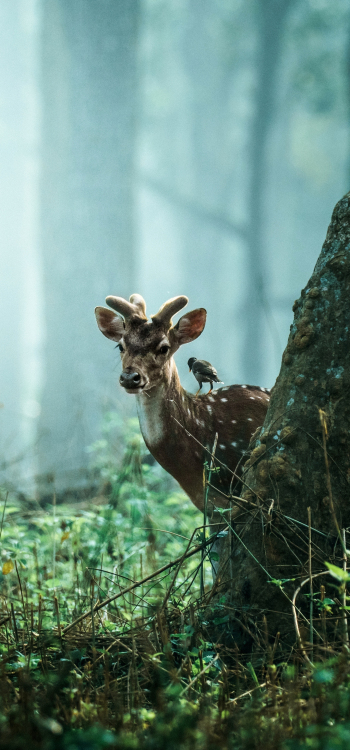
<point>130,379</point>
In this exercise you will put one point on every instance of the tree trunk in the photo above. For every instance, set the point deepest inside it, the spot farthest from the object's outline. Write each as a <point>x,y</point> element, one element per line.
<point>271,21</point>
<point>19,278</point>
<point>89,106</point>
<point>287,470</point>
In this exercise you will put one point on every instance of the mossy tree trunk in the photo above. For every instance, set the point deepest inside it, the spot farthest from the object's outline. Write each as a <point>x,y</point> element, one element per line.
<point>286,473</point>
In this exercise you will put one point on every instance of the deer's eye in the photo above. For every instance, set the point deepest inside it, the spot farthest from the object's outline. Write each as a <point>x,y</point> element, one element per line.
<point>121,348</point>
<point>163,349</point>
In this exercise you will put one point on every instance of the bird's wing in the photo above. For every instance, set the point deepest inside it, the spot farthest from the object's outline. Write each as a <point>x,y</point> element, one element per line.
<point>204,368</point>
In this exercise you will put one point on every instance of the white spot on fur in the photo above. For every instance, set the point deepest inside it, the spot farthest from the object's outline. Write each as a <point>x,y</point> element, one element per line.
<point>220,421</point>
<point>249,419</point>
<point>234,444</point>
<point>188,412</point>
<point>224,399</point>
<point>234,421</point>
<point>223,447</point>
<point>243,386</point>
<point>225,389</point>
<point>209,408</point>
<point>210,399</point>
<point>252,398</point>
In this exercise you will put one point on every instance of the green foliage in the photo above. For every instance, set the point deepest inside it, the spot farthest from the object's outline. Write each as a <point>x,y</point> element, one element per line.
<point>140,676</point>
<point>137,522</point>
<point>338,573</point>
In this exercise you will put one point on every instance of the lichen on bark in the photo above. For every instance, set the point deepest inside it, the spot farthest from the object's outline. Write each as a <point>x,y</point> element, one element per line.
<point>286,471</point>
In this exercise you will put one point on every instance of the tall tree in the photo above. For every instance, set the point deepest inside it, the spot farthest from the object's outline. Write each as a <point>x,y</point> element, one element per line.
<point>210,237</point>
<point>19,278</point>
<point>300,458</point>
<point>271,17</point>
<point>89,108</point>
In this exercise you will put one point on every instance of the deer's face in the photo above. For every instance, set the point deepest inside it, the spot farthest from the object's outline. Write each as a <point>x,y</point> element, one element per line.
<point>145,352</point>
<point>147,346</point>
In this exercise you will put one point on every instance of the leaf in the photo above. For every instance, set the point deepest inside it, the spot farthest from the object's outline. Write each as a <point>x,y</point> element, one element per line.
<point>214,556</point>
<point>276,581</point>
<point>65,536</point>
<point>339,573</point>
<point>7,567</point>
<point>252,672</point>
<point>280,581</point>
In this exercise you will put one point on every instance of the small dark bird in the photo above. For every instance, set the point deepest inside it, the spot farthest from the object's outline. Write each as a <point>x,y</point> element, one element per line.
<point>204,372</point>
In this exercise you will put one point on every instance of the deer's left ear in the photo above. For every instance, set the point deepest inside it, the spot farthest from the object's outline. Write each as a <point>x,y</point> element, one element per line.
<point>190,326</point>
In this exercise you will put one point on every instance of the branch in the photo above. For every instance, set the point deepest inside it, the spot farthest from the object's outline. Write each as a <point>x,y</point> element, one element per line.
<point>138,583</point>
<point>188,204</point>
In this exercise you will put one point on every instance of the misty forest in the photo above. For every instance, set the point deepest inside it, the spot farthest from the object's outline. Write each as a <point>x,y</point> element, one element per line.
<point>175,374</point>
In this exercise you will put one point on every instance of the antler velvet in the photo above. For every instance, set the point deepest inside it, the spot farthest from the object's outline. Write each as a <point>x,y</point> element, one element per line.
<point>135,308</point>
<point>170,308</point>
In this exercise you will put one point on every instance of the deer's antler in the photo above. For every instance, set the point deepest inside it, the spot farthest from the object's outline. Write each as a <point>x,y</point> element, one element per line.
<point>169,309</point>
<point>135,308</point>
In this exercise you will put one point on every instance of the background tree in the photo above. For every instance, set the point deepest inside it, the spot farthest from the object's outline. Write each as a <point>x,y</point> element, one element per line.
<point>20,307</point>
<point>271,18</point>
<point>87,230</point>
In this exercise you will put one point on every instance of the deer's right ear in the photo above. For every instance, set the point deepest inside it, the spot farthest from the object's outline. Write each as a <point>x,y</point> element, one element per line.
<point>190,326</point>
<point>110,324</point>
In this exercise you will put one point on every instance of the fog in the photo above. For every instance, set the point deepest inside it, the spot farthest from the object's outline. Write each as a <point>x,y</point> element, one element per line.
<point>163,147</point>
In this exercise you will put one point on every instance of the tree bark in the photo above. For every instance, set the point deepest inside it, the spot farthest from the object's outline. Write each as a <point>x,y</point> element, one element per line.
<point>287,469</point>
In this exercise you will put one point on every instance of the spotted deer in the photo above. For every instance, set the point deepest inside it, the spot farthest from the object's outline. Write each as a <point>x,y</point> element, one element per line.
<point>178,427</point>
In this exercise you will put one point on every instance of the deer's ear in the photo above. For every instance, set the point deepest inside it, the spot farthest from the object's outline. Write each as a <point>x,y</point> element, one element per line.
<point>190,326</point>
<point>110,324</point>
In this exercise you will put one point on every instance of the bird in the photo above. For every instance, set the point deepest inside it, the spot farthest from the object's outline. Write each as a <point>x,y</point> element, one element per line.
<point>204,372</point>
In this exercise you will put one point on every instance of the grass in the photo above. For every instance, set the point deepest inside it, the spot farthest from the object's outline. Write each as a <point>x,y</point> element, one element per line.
<point>142,672</point>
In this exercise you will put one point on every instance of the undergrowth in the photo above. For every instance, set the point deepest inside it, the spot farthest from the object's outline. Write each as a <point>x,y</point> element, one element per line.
<point>142,671</point>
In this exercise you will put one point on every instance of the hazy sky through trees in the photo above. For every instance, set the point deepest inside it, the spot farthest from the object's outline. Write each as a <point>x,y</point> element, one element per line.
<point>166,147</point>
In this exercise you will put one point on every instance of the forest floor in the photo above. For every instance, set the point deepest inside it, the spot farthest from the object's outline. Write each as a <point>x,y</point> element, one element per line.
<point>142,670</point>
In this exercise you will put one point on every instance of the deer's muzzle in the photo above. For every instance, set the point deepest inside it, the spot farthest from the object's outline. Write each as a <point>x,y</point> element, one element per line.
<point>131,381</point>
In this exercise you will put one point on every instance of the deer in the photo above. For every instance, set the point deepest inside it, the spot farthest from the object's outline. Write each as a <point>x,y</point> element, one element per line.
<point>178,427</point>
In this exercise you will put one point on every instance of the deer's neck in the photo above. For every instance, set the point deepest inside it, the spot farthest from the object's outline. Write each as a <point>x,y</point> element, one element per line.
<point>157,408</point>
<point>168,421</point>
